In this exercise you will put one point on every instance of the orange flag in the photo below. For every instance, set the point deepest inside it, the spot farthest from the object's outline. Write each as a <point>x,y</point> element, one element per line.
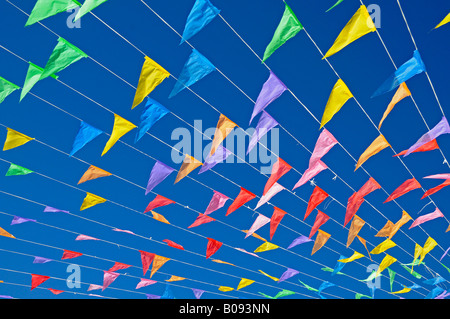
<point>402,221</point>
<point>401,93</point>
<point>93,172</point>
<point>189,164</point>
<point>386,230</point>
<point>363,241</point>
<point>224,127</point>
<point>159,217</point>
<point>158,261</point>
<point>377,145</point>
<point>355,227</point>
<point>5,233</point>
<point>321,238</point>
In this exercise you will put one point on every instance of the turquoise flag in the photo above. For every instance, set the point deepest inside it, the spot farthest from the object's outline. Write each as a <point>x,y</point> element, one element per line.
<point>202,13</point>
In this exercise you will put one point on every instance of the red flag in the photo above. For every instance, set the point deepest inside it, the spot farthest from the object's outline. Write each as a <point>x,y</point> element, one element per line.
<point>212,247</point>
<point>36,280</point>
<point>353,204</point>
<point>276,218</point>
<point>201,219</point>
<point>55,291</point>
<point>435,189</point>
<point>68,254</point>
<point>431,145</point>
<point>318,196</point>
<point>243,197</point>
<point>118,266</point>
<point>173,244</point>
<point>370,186</point>
<point>321,219</point>
<point>159,201</point>
<point>405,187</point>
<point>146,259</point>
<point>279,169</point>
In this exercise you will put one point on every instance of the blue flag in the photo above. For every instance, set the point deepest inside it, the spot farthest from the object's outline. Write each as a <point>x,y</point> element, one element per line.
<point>152,113</point>
<point>202,13</point>
<point>168,294</point>
<point>434,293</point>
<point>410,68</point>
<point>86,134</point>
<point>338,266</point>
<point>323,286</point>
<point>195,69</point>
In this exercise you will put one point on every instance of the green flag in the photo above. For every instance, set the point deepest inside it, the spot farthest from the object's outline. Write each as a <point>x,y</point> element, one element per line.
<point>6,88</point>
<point>33,75</point>
<point>88,6</point>
<point>289,26</point>
<point>359,296</point>
<point>391,277</point>
<point>308,287</point>
<point>415,274</point>
<point>63,55</point>
<point>281,294</point>
<point>17,170</point>
<point>338,2</point>
<point>47,8</point>
<point>331,270</point>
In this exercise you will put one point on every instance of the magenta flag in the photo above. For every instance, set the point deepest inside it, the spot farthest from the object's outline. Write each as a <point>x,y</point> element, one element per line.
<point>265,124</point>
<point>108,278</point>
<point>159,172</point>
<point>441,128</point>
<point>217,201</point>
<point>324,143</point>
<point>311,172</point>
<point>422,219</point>
<point>271,90</point>
<point>275,189</point>
<point>260,221</point>
<point>288,274</point>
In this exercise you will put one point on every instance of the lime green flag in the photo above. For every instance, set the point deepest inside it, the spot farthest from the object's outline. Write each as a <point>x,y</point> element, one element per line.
<point>6,88</point>
<point>359,296</point>
<point>87,7</point>
<point>33,75</point>
<point>309,287</point>
<point>391,277</point>
<point>282,293</point>
<point>17,170</point>
<point>45,8</point>
<point>415,274</point>
<point>289,26</point>
<point>334,5</point>
<point>63,55</point>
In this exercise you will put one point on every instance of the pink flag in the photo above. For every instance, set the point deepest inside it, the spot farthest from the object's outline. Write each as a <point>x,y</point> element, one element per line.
<point>108,278</point>
<point>259,222</point>
<point>422,219</point>
<point>279,169</point>
<point>85,237</point>
<point>94,287</point>
<point>217,201</point>
<point>145,282</point>
<point>275,189</point>
<point>324,143</point>
<point>439,176</point>
<point>311,172</point>
<point>321,219</point>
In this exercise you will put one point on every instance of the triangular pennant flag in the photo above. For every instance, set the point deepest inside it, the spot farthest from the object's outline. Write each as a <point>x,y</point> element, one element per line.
<point>321,238</point>
<point>159,172</point>
<point>14,170</point>
<point>195,69</point>
<point>386,230</point>
<point>310,173</point>
<point>243,197</point>
<point>441,128</point>
<point>189,164</point>
<point>403,220</point>
<point>202,13</point>
<point>175,278</point>
<point>4,233</point>
<point>288,27</point>
<point>339,95</point>
<point>259,222</point>
<point>93,172</point>
<point>120,128</point>
<point>85,237</point>
<point>354,202</point>
<point>152,113</point>
<point>265,124</point>
<point>173,244</point>
<point>363,241</point>
<point>275,220</point>
<point>444,21</point>
<point>145,282</point>
<point>433,190</point>
<point>108,278</point>
<point>401,93</point>
<point>223,128</point>
<point>386,262</point>
<point>275,189</point>
<point>119,266</point>
<point>321,219</point>
<point>359,25</point>
<point>225,288</point>
<point>217,201</point>
<point>318,196</point>
<point>159,201</point>
<point>403,291</point>
<point>355,227</point>
<point>265,247</point>
<point>197,293</point>
<point>68,254</point>
<point>201,219</point>
<point>324,143</point>
<point>405,187</point>
<point>160,218</point>
<point>55,291</point>
<point>339,266</point>
<point>44,9</point>
<point>36,280</point>
<point>244,283</point>
<point>212,247</point>
<point>430,146</point>
<point>94,287</point>
<point>20,220</point>
<point>267,275</point>
<point>299,240</point>
<point>391,277</point>
<point>334,5</point>
<point>91,200</point>
<point>375,147</point>
<point>146,259</point>
<point>219,156</point>
<point>355,256</point>
<point>85,134</point>
<point>385,245</point>
<point>33,75</point>
<point>422,219</point>
<point>49,209</point>
<point>279,169</point>
<point>15,139</point>
<point>6,88</point>
<point>289,273</point>
<point>87,7</point>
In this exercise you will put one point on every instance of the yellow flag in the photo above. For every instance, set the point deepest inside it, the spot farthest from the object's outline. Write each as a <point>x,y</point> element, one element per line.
<point>158,261</point>
<point>271,277</point>
<point>401,93</point>
<point>355,227</point>
<point>385,245</point>
<point>175,278</point>
<point>159,217</point>
<point>222,262</point>
<point>244,283</point>
<point>15,139</point>
<point>189,164</point>
<point>446,20</point>
<point>91,200</point>
<point>403,291</point>
<point>360,24</point>
<point>121,127</point>
<point>402,221</point>
<point>377,145</point>
<point>321,238</point>
<point>417,252</point>
<point>224,127</point>
<point>152,74</point>
<point>386,230</point>
<point>386,262</point>
<point>225,289</point>
<point>93,172</point>
<point>339,95</point>
<point>427,247</point>
<point>5,233</point>
<point>355,256</point>
<point>265,247</point>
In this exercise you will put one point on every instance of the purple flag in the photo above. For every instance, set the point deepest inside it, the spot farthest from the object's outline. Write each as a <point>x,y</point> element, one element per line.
<point>19,220</point>
<point>159,172</point>
<point>197,292</point>
<point>441,128</point>
<point>271,90</point>
<point>445,253</point>
<point>49,209</point>
<point>265,124</point>
<point>150,296</point>
<point>217,201</point>
<point>6,297</point>
<point>41,260</point>
<point>299,240</point>
<point>288,274</point>
<point>219,156</point>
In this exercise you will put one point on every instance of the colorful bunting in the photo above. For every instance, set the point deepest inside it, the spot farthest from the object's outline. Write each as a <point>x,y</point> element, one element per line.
<point>275,189</point>
<point>201,219</point>
<point>85,134</point>
<point>152,113</point>
<point>175,278</point>
<point>41,260</point>
<point>427,247</point>
<point>212,247</point>
<point>298,241</point>
<point>159,217</point>
<point>91,200</point>
<point>265,124</point>
<point>219,156</point>
<point>405,187</point>
<point>217,201</point>
<point>49,209</point>
<point>119,266</point>
<point>145,282</point>
<point>377,146</point>
<point>355,256</point>
<point>223,128</point>
<point>386,262</point>
<point>403,220</point>
<point>355,227</point>
<point>33,76</point>
<point>244,283</point>
<point>289,273</point>
<point>259,222</point>
<point>120,128</point>
<point>159,201</point>
<point>401,93</point>
<point>321,238</point>
<point>340,94</point>
<point>4,233</point>
<point>108,278</point>
<point>278,169</point>
<point>202,13</point>
<point>243,197</point>
<point>310,173</point>
<point>267,275</point>
<point>334,5</point>
<point>321,219</point>
<point>197,293</point>
<point>146,259</point>
<point>318,196</point>
<point>85,237</point>
<point>159,172</point>
<point>93,172</point>
<point>275,220</point>
<point>225,288</point>
<point>20,220</point>
<point>173,244</point>
<point>430,146</point>
<point>158,262</point>
<point>266,247</point>
<point>385,245</point>
<point>189,164</point>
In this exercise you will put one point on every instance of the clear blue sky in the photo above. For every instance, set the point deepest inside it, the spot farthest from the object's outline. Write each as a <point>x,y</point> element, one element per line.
<point>363,65</point>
